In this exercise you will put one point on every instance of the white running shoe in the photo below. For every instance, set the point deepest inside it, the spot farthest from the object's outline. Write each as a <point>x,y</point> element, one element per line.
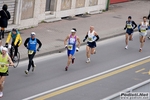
<point>1,94</point>
<point>33,67</point>
<point>26,71</point>
<point>15,58</point>
<point>88,61</point>
<point>126,47</point>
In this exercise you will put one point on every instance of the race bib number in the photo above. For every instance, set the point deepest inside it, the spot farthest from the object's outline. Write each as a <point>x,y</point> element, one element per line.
<point>1,66</point>
<point>30,52</point>
<point>70,47</point>
<point>143,31</point>
<point>90,39</point>
<point>129,26</point>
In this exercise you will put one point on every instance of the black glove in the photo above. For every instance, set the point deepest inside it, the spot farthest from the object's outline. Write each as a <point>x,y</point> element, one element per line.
<point>139,30</point>
<point>84,40</point>
<point>146,28</point>
<point>6,45</point>
<point>124,28</point>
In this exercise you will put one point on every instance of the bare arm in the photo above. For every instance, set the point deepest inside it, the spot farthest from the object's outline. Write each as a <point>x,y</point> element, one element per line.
<point>10,62</point>
<point>65,41</point>
<point>78,45</point>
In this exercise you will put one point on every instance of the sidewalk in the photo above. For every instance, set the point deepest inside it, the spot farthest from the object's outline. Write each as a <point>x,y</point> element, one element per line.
<point>107,24</point>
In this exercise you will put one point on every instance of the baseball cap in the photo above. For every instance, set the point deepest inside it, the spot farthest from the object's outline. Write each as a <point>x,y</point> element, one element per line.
<point>33,33</point>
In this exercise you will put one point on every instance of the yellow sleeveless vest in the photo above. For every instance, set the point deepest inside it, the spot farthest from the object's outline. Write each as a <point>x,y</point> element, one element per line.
<point>3,62</point>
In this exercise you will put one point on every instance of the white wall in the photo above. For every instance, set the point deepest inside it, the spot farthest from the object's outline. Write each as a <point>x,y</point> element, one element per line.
<point>39,13</point>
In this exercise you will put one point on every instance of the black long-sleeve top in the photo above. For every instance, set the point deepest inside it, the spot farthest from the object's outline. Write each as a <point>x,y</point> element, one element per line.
<point>134,25</point>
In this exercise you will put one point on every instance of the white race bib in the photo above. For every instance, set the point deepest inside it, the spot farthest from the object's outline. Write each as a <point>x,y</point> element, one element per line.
<point>30,52</point>
<point>70,47</point>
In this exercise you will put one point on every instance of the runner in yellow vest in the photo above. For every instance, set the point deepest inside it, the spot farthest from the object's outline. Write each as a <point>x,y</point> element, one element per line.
<point>5,62</point>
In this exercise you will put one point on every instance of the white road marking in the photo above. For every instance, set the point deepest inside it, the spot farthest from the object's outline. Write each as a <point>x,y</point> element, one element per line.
<point>84,79</point>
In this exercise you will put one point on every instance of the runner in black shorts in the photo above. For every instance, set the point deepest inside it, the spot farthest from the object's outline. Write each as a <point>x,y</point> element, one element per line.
<point>91,44</point>
<point>129,27</point>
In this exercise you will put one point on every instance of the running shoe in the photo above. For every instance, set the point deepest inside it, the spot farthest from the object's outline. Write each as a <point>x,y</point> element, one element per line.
<point>140,50</point>
<point>66,68</point>
<point>126,47</point>
<point>88,61</point>
<point>26,71</point>
<point>1,94</point>
<point>95,52</point>
<point>73,60</point>
<point>33,67</point>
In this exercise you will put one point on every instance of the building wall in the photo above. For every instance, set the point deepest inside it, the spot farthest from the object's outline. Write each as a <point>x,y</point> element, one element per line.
<point>31,12</point>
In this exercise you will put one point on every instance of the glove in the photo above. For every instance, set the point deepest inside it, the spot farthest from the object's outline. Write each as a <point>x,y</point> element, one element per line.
<point>38,49</point>
<point>139,30</point>
<point>84,40</point>
<point>77,49</point>
<point>146,28</point>
<point>66,46</point>
<point>6,45</point>
<point>124,28</point>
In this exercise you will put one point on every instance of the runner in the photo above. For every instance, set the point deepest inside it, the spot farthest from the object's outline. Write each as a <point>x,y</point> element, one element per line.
<point>143,27</point>
<point>31,45</point>
<point>71,46</point>
<point>149,23</point>
<point>91,44</point>
<point>129,27</point>
<point>5,62</point>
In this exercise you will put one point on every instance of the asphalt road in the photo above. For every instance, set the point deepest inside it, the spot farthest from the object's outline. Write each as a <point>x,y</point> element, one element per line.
<point>50,75</point>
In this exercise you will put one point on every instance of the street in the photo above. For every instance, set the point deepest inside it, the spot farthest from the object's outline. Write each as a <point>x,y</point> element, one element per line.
<point>114,68</point>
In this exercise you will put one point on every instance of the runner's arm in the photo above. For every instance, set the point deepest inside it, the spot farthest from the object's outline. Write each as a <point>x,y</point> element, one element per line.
<point>135,25</point>
<point>139,27</point>
<point>26,42</point>
<point>65,41</point>
<point>96,36</point>
<point>78,45</point>
<point>10,61</point>
<point>39,42</point>
<point>85,37</point>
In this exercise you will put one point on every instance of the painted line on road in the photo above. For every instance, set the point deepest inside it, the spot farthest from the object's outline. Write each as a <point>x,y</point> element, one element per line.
<point>139,70</point>
<point>88,80</point>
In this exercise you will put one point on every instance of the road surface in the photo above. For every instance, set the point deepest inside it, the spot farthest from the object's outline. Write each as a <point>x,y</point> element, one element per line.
<point>111,70</point>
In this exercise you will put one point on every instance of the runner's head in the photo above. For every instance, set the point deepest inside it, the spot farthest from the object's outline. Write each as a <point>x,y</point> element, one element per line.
<point>129,18</point>
<point>73,31</point>
<point>144,18</point>
<point>4,50</point>
<point>33,35</point>
<point>91,28</point>
<point>14,31</point>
